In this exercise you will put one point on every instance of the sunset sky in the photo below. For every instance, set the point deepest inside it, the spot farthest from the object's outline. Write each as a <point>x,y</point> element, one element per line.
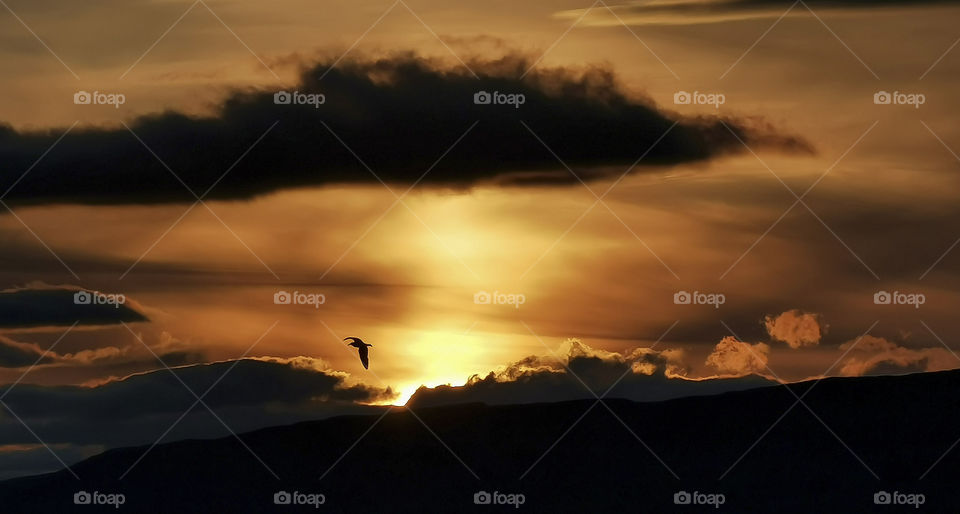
<point>597,222</point>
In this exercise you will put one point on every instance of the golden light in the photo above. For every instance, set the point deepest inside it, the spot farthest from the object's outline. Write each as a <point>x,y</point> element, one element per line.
<point>446,357</point>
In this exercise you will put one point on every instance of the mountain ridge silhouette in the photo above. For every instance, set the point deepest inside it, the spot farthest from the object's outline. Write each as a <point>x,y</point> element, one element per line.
<point>897,425</point>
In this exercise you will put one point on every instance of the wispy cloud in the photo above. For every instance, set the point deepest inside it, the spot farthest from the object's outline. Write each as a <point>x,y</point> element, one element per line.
<point>693,12</point>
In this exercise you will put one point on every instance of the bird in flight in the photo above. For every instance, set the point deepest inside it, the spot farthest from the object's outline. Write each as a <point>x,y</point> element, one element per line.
<point>362,349</point>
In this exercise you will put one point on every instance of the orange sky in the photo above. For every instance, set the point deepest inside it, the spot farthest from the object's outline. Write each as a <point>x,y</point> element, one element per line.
<point>407,285</point>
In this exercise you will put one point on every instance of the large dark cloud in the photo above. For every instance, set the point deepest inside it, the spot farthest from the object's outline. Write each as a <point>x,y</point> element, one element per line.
<point>399,114</point>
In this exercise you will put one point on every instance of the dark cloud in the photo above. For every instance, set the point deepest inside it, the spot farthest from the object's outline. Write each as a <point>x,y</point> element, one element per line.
<point>640,375</point>
<point>47,306</point>
<point>399,114</point>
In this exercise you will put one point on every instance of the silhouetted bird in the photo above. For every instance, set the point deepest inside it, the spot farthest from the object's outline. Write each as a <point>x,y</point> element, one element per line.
<point>362,348</point>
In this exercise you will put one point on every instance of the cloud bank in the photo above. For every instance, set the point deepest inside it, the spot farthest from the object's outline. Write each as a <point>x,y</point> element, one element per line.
<point>575,370</point>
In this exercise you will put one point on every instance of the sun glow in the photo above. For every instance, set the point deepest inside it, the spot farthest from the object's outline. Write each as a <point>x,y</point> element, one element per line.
<point>445,357</point>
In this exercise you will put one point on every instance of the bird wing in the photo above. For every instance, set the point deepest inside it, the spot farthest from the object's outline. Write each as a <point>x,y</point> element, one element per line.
<point>353,339</point>
<point>364,358</point>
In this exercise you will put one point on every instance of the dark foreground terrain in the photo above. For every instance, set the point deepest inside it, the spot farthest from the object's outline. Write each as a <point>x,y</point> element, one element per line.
<point>898,426</point>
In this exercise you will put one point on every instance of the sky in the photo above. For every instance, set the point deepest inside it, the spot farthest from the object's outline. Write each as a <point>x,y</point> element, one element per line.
<point>783,201</point>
